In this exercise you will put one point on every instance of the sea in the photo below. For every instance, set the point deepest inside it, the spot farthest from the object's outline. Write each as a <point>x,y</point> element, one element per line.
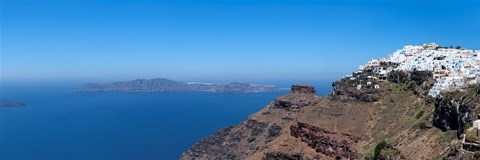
<point>59,124</point>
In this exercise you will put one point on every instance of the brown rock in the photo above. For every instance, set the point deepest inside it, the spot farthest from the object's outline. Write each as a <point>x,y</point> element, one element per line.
<point>303,88</point>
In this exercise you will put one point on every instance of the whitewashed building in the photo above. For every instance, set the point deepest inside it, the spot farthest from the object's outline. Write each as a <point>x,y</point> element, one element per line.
<point>451,68</point>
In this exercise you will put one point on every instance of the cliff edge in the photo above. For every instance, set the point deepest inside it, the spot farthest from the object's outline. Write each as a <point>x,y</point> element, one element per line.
<point>371,114</point>
<point>302,125</point>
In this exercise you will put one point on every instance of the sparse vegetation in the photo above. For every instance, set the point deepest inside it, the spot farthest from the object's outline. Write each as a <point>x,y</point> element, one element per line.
<point>378,148</point>
<point>476,155</point>
<point>398,76</point>
<point>468,125</point>
<point>389,153</point>
<point>437,156</point>
<point>419,114</point>
<point>419,82</point>
<point>448,136</point>
<point>422,125</point>
<point>420,76</point>
<point>382,150</point>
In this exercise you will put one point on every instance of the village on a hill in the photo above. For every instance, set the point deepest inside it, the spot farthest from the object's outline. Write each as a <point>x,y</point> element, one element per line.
<point>453,68</point>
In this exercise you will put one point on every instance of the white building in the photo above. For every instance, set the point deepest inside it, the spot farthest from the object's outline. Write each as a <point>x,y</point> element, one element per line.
<point>452,68</point>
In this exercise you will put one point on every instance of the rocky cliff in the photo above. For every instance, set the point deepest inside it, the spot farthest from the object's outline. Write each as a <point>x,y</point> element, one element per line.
<point>455,109</point>
<point>392,119</point>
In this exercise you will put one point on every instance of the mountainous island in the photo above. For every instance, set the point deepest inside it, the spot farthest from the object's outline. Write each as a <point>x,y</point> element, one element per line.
<point>166,85</point>
<point>4,103</point>
<point>421,102</point>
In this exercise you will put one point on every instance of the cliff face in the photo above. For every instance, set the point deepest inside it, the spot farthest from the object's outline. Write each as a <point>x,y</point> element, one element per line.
<point>384,110</point>
<point>400,123</point>
<point>253,138</point>
<point>332,144</point>
<point>453,110</point>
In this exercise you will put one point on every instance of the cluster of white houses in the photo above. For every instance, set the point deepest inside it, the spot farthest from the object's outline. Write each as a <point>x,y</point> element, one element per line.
<point>452,68</point>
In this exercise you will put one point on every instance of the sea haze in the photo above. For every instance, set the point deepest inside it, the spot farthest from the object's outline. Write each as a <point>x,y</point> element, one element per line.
<point>61,124</point>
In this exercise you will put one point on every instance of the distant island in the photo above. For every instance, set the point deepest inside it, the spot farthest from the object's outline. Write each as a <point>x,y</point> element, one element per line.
<point>11,104</point>
<point>166,85</point>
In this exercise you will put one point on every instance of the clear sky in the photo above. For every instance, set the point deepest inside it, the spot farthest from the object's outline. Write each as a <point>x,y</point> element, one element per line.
<point>219,40</point>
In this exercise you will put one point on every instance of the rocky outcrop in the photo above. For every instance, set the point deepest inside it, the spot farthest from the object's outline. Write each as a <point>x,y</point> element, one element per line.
<point>329,143</point>
<point>346,89</point>
<point>449,114</point>
<point>273,132</point>
<point>253,137</point>
<point>289,105</point>
<point>299,97</point>
<point>453,110</point>
<point>394,123</point>
<point>282,156</point>
<point>213,147</point>
<point>303,88</point>
<point>256,129</point>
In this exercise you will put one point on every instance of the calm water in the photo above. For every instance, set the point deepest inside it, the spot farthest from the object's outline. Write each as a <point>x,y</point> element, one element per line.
<point>59,124</point>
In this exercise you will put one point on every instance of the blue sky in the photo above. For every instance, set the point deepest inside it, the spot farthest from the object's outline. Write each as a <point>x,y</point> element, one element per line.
<point>218,40</point>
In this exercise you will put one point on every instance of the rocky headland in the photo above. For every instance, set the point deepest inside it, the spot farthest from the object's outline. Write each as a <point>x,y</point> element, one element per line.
<point>366,116</point>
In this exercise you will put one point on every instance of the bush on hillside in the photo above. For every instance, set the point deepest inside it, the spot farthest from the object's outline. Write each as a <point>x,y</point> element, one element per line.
<point>420,76</point>
<point>398,76</point>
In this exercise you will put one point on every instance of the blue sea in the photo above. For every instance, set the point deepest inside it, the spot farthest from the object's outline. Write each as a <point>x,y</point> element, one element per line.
<point>59,124</point>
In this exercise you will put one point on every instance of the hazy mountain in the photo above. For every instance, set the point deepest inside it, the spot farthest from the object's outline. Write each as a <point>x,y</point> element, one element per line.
<point>166,85</point>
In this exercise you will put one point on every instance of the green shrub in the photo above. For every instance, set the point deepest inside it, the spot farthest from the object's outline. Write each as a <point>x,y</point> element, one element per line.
<point>390,153</point>
<point>378,148</point>
<point>422,125</point>
<point>420,76</point>
<point>398,76</point>
<point>419,114</point>
<point>468,125</point>
<point>437,156</point>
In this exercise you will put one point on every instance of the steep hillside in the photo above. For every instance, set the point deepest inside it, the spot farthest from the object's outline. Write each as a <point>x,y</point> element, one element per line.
<point>398,124</point>
<point>417,103</point>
